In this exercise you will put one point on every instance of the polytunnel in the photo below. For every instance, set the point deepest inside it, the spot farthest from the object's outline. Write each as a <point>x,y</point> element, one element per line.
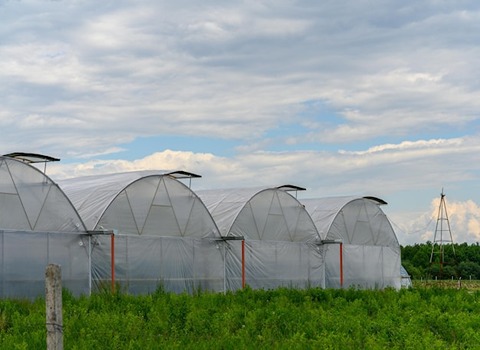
<point>38,226</point>
<point>361,248</point>
<point>406,278</point>
<point>268,238</point>
<point>164,235</point>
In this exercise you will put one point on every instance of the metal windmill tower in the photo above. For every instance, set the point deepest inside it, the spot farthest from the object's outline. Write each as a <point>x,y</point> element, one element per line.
<point>443,235</point>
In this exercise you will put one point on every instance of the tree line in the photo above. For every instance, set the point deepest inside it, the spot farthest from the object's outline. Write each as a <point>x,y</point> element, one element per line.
<point>454,260</point>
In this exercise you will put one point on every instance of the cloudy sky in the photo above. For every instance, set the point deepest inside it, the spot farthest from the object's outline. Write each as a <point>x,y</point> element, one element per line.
<point>341,97</point>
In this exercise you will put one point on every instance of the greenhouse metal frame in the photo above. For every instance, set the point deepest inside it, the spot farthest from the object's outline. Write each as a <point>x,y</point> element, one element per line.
<point>38,226</point>
<point>140,231</point>
<point>164,235</point>
<point>364,251</point>
<point>280,242</point>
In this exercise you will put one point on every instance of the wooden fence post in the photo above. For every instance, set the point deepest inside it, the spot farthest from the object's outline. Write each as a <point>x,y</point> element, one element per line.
<point>53,301</point>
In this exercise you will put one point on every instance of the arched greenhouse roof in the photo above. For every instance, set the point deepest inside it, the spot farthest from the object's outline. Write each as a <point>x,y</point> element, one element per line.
<point>141,203</point>
<point>260,213</point>
<point>31,201</point>
<point>353,220</point>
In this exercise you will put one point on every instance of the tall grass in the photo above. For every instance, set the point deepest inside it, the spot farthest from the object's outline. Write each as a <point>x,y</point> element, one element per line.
<point>418,318</point>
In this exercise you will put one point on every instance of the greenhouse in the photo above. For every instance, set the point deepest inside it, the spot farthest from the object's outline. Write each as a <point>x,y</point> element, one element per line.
<point>163,233</point>
<point>38,226</point>
<point>406,278</point>
<point>269,240</point>
<point>145,230</point>
<point>361,248</point>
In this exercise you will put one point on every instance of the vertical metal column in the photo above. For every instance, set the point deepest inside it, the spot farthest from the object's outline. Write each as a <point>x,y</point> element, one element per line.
<point>341,265</point>
<point>243,264</point>
<point>112,261</point>
<point>90,264</point>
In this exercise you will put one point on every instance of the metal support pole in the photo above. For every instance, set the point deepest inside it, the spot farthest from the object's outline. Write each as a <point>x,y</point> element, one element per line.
<point>341,265</point>
<point>224,267</point>
<point>243,264</point>
<point>89,265</point>
<point>112,262</point>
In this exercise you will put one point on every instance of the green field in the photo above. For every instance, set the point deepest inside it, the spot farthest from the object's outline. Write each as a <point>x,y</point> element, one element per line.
<point>423,317</point>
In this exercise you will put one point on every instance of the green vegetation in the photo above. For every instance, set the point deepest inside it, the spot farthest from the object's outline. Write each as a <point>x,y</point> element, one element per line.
<point>465,263</point>
<point>418,318</point>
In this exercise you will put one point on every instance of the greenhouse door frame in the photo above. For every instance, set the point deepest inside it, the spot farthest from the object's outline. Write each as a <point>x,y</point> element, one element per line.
<point>224,239</point>
<point>112,234</point>
<point>340,243</point>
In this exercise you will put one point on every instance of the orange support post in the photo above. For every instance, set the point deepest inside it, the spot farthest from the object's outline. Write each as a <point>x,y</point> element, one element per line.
<point>112,262</point>
<point>341,265</point>
<point>243,264</point>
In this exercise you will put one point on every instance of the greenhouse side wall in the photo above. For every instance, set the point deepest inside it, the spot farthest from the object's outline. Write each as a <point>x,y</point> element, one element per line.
<point>24,257</point>
<point>273,264</point>
<point>143,264</point>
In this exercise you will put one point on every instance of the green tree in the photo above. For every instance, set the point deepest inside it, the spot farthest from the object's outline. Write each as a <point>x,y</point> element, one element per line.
<point>467,269</point>
<point>459,260</point>
<point>413,271</point>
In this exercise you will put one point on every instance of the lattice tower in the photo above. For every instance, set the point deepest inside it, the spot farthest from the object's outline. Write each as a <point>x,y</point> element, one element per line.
<point>443,235</point>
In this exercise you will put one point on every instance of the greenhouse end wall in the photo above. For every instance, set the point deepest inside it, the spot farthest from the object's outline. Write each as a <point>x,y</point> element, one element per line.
<point>273,238</point>
<point>164,235</point>
<point>369,247</point>
<point>24,257</point>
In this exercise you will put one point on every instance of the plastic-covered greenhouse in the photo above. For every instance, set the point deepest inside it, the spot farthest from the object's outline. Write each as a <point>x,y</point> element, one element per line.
<point>38,226</point>
<point>361,248</point>
<point>164,235</point>
<point>269,240</point>
<point>142,230</point>
<point>406,279</point>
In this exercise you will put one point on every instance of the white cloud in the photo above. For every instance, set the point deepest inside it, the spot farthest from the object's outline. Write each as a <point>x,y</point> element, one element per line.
<point>324,174</point>
<point>385,170</point>
<point>35,121</point>
<point>408,145</point>
<point>463,223</point>
<point>463,218</point>
<point>399,83</point>
<point>158,61</point>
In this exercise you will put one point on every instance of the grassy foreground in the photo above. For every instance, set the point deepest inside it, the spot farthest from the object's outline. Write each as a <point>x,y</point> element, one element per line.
<point>418,318</point>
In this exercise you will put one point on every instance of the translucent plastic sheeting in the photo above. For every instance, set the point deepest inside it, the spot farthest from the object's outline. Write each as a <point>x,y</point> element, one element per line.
<point>279,238</point>
<point>366,267</point>
<point>371,252</point>
<point>24,257</point>
<point>260,214</point>
<point>143,264</point>
<point>406,279</point>
<point>91,195</point>
<point>140,203</point>
<point>31,201</point>
<point>351,219</point>
<point>270,265</point>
